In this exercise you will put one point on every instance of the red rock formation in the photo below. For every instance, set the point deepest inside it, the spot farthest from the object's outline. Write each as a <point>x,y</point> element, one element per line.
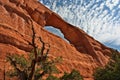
<point>16,20</point>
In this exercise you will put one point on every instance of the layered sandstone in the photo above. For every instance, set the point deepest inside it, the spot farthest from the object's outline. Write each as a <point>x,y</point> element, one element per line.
<point>16,20</point>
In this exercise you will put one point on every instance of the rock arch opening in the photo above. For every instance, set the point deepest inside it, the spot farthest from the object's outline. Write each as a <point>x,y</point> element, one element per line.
<point>74,35</point>
<point>55,31</point>
<point>78,38</point>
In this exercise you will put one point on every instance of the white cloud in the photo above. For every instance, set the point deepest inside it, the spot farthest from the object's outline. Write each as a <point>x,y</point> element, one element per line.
<point>115,2</point>
<point>111,3</point>
<point>119,6</point>
<point>98,21</point>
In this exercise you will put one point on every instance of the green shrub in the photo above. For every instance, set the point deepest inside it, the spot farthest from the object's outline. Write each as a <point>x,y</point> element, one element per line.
<point>51,77</point>
<point>22,67</point>
<point>111,71</point>
<point>74,75</point>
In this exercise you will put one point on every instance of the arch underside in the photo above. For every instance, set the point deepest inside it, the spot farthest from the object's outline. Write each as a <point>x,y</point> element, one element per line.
<point>73,34</point>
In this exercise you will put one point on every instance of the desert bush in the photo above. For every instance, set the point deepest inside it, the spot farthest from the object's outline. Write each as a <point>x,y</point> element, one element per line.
<point>74,75</point>
<point>111,71</point>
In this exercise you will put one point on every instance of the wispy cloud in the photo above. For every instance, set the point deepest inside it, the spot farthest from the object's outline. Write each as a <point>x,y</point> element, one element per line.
<point>99,18</point>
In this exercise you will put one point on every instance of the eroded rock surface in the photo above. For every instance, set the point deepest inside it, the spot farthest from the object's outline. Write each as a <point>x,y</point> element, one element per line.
<point>16,19</point>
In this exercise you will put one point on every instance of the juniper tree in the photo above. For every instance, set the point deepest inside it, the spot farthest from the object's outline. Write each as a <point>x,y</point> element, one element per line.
<point>37,64</point>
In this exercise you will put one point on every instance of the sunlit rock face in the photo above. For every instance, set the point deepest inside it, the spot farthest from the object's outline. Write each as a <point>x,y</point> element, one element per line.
<point>99,18</point>
<point>20,19</point>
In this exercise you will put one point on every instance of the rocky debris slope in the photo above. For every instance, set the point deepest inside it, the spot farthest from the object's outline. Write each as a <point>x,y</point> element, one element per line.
<point>16,20</point>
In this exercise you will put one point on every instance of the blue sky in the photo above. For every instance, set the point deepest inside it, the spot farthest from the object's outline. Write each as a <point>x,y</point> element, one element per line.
<point>99,18</point>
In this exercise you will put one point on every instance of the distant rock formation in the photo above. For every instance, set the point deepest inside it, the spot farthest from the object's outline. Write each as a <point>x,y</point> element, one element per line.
<point>16,19</point>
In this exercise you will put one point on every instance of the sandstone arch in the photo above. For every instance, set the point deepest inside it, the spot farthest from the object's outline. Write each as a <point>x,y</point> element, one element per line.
<point>73,34</point>
<point>77,37</point>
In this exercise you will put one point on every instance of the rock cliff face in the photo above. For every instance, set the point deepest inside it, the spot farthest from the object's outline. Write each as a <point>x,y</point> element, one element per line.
<point>16,19</point>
